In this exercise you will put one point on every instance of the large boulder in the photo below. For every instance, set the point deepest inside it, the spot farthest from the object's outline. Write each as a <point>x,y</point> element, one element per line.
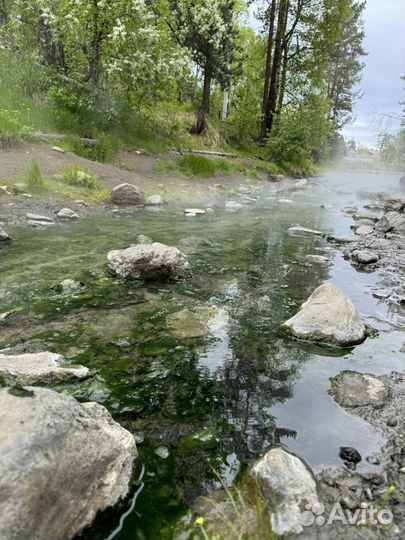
<point>150,262</point>
<point>289,486</point>
<point>329,317</point>
<point>391,222</point>
<point>127,194</point>
<point>61,462</point>
<point>38,368</point>
<point>353,389</point>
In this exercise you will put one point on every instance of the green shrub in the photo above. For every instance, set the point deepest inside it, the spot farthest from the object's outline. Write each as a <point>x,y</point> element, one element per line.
<point>200,166</point>
<point>104,150</point>
<point>77,175</point>
<point>33,177</point>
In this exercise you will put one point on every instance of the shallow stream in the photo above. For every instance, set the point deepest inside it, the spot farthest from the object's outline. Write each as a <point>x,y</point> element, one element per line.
<point>200,371</point>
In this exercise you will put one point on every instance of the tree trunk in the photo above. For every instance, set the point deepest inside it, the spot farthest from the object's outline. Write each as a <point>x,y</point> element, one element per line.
<point>94,56</point>
<point>275,71</point>
<point>267,74</point>
<point>205,105</point>
<point>283,79</point>
<point>225,105</point>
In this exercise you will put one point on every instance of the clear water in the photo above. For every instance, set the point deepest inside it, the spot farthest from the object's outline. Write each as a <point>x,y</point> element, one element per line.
<point>198,404</point>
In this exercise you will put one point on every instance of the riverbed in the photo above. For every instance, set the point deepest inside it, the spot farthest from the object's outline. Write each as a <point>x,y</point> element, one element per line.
<point>208,391</point>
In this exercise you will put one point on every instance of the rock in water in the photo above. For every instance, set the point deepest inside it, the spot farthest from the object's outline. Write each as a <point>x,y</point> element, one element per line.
<point>67,214</point>
<point>154,200</point>
<point>4,237</point>
<point>127,194</point>
<point>289,486</point>
<point>353,389</point>
<point>364,256</point>
<point>391,222</point>
<point>150,262</point>
<point>61,462</point>
<point>329,317</point>
<point>44,367</point>
<point>303,231</point>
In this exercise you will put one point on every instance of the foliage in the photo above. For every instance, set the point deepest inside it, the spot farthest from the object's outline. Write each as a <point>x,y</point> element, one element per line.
<point>392,148</point>
<point>302,134</point>
<point>199,166</point>
<point>77,175</point>
<point>33,177</point>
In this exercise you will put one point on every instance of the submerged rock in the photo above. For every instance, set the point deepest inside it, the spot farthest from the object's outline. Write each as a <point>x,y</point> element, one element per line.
<point>352,389</point>
<point>127,194</point>
<point>328,316</point>
<point>39,368</point>
<point>190,324</point>
<point>303,231</point>
<point>154,200</point>
<point>67,214</point>
<point>289,486</point>
<point>61,462</point>
<point>150,262</point>
<point>341,238</point>
<point>299,184</point>
<point>4,237</point>
<point>391,222</point>
<point>39,218</point>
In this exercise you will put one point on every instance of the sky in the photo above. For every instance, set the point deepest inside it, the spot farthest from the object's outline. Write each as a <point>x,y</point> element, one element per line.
<point>381,84</point>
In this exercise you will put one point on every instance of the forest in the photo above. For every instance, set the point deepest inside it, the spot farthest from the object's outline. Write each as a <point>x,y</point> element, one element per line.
<point>273,79</point>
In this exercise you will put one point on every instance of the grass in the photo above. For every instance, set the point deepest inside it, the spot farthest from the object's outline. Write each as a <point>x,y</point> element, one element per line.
<point>199,166</point>
<point>231,517</point>
<point>33,177</point>
<point>78,175</point>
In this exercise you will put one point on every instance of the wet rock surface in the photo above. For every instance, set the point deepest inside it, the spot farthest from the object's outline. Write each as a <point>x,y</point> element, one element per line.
<point>39,368</point>
<point>61,463</point>
<point>288,485</point>
<point>150,262</point>
<point>329,317</point>
<point>353,389</point>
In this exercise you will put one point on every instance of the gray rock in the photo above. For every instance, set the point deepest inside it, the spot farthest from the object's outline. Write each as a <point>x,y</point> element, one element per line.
<point>352,389</point>
<point>364,257</point>
<point>289,486</point>
<point>67,214</point>
<point>154,200</point>
<point>4,237</point>
<point>194,211</point>
<point>342,239</point>
<point>365,215</point>
<point>154,262</point>
<point>303,231</point>
<point>391,222</point>
<point>364,230</point>
<point>127,194</point>
<point>39,217</point>
<point>379,243</point>
<point>58,149</point>
<point>39,368</point>
<point>328,316</point>
<point>61,462</point>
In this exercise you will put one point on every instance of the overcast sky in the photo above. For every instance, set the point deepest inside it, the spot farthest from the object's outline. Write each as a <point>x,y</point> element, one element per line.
<point>385,64</point>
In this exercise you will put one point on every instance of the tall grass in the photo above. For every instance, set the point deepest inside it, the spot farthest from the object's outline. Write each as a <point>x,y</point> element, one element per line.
<point>33,177</point>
